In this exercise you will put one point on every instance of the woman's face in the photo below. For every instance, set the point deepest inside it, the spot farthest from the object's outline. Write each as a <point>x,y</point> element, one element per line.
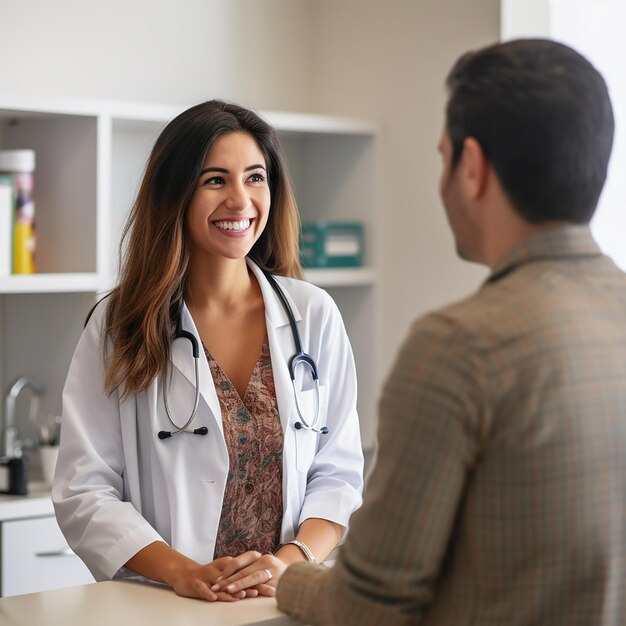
<point>230,206</point>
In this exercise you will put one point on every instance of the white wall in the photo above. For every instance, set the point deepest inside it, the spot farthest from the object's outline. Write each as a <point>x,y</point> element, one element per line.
<point>525,18</point>
<point>596,30</point>
<point>168,51</point>
<point>388,60</point>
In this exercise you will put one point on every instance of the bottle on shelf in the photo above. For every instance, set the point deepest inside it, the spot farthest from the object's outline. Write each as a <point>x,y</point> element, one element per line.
<point>20,166</point>
<point>6,225</point>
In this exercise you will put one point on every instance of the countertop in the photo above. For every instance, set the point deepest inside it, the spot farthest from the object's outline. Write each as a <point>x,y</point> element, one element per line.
<point>36,503</point>
<point>125,602</point>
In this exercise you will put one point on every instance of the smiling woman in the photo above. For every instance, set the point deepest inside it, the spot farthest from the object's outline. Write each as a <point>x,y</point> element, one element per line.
<point>230,206</point>
<point>220,515</point>
<point>180,177</point>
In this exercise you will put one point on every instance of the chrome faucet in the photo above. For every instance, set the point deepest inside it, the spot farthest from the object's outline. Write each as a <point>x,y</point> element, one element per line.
<point>12,447</point>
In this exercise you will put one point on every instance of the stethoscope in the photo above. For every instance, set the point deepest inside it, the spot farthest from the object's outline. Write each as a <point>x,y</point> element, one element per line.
<point>300,358</point>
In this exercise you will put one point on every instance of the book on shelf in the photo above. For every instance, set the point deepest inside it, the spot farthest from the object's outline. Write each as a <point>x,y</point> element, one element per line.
<point>6,225</point>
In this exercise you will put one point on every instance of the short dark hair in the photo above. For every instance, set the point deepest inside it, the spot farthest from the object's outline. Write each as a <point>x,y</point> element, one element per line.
<point>543,117</point>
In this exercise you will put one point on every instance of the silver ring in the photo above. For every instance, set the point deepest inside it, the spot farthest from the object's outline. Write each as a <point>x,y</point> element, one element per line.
<point>269,575</point>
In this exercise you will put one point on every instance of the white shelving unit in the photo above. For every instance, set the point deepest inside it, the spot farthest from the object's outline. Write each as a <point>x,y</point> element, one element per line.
<point>90,158</point>
<point>50,283</point>
<point>357,277</point>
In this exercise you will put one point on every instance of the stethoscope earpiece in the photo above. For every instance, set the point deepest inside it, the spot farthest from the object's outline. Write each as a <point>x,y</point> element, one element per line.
<point>166,434</point>
<point>300,426</point>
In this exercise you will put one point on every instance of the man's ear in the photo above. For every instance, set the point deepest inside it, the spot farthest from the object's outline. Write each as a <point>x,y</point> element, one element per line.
<point>475,168</point>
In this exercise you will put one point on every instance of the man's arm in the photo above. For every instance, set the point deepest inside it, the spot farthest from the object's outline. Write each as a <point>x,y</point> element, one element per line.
<point>429,436</point>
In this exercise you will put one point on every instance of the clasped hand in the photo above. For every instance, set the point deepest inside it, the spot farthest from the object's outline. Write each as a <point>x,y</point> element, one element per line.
<point>231,578</point>
<point>251,572</point>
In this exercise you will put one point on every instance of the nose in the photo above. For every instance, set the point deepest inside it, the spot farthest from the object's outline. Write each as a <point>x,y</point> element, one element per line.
<point>238,198</point>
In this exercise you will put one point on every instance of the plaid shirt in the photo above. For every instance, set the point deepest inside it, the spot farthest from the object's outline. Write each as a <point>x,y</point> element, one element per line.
<point>499,496</point>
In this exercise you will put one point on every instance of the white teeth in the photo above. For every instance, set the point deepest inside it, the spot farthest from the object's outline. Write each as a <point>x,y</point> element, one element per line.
<point>240,225</point>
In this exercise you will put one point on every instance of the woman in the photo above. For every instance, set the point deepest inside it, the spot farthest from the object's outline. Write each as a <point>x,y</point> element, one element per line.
<point>148,483</point>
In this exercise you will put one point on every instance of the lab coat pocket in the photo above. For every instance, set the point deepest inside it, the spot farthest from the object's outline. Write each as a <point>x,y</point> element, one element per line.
<point>306,439</point>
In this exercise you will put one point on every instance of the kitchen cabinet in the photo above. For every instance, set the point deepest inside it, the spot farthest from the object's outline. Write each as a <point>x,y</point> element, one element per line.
<point>34,555</point>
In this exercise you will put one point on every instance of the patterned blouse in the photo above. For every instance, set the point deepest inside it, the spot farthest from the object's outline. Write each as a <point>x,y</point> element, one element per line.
<point>252,510</point>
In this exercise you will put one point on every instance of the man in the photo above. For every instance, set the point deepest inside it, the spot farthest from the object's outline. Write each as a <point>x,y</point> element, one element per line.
<point>499,496</point>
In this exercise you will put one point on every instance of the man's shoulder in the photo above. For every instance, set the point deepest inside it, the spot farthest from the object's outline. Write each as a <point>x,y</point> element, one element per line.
<point>535,301</point>
<point>483,316</point>
<point>463,316</point>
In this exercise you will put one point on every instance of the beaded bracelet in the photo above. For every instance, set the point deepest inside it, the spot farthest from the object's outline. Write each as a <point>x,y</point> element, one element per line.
<point>310,557</point>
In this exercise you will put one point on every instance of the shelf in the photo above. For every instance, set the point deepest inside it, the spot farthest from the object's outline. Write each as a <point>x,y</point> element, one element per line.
<point>136,113</point>
<point>302,123</point>
<point>341,277</point>
<point>50,283</point>
<point>88,283</point>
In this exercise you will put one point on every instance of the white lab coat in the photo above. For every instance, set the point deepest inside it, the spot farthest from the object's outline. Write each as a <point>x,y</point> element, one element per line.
<point>119,488</point>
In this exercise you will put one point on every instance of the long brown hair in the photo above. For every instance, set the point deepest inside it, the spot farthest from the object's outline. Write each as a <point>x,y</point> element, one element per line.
<point>142,309</point>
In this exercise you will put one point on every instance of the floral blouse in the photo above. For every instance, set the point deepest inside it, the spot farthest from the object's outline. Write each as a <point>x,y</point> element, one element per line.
<point>252,510</point>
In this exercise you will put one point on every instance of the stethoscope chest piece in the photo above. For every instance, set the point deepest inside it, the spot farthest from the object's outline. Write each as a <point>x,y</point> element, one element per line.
<point>307,362</point>
<point>299,358</point>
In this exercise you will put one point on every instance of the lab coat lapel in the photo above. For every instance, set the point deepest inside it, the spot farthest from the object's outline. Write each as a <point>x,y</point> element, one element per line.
<point>183,361</point>
<point>282,346</point>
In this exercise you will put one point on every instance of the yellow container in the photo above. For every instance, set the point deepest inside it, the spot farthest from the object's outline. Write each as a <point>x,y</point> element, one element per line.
<point>23,248</point>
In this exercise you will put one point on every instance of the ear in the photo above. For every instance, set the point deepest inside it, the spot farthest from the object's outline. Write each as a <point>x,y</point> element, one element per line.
<point>475,168</point>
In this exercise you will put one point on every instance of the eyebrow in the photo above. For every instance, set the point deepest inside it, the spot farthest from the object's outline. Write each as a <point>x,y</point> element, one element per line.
<point>225,171</point>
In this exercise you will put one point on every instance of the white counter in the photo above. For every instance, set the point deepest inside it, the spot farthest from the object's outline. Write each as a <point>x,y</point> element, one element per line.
<point>122,602</point>
<point>35,504</point>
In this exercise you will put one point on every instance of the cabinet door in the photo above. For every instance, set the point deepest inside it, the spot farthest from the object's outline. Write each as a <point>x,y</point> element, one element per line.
<point>35,557</point>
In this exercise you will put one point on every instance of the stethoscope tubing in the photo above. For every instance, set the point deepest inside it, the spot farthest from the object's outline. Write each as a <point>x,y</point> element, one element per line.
<point>299,358</point>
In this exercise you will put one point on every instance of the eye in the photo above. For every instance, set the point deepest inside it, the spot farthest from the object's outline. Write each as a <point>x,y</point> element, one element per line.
<point>214,180</point>
<point>257,178</point>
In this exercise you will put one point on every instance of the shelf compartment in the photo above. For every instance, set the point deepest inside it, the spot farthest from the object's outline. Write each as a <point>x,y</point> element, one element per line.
<point>65,185</point>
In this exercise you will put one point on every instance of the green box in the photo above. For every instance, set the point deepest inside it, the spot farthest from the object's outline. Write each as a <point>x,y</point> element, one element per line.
<point>331,244</point>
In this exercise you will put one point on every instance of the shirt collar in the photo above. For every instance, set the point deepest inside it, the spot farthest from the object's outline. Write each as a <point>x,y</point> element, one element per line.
<point>572,240</point>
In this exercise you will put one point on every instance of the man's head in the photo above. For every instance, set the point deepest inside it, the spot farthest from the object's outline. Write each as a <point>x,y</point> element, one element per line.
<point>541,114</point>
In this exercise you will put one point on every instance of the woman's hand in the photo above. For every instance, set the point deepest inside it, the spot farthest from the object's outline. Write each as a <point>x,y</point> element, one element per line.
<point>187,577</point>
<point>250,572</point>
<point>195,582</point>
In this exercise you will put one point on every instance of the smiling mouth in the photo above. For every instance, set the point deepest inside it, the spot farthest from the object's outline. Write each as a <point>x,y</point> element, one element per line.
<point>234,226</point>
